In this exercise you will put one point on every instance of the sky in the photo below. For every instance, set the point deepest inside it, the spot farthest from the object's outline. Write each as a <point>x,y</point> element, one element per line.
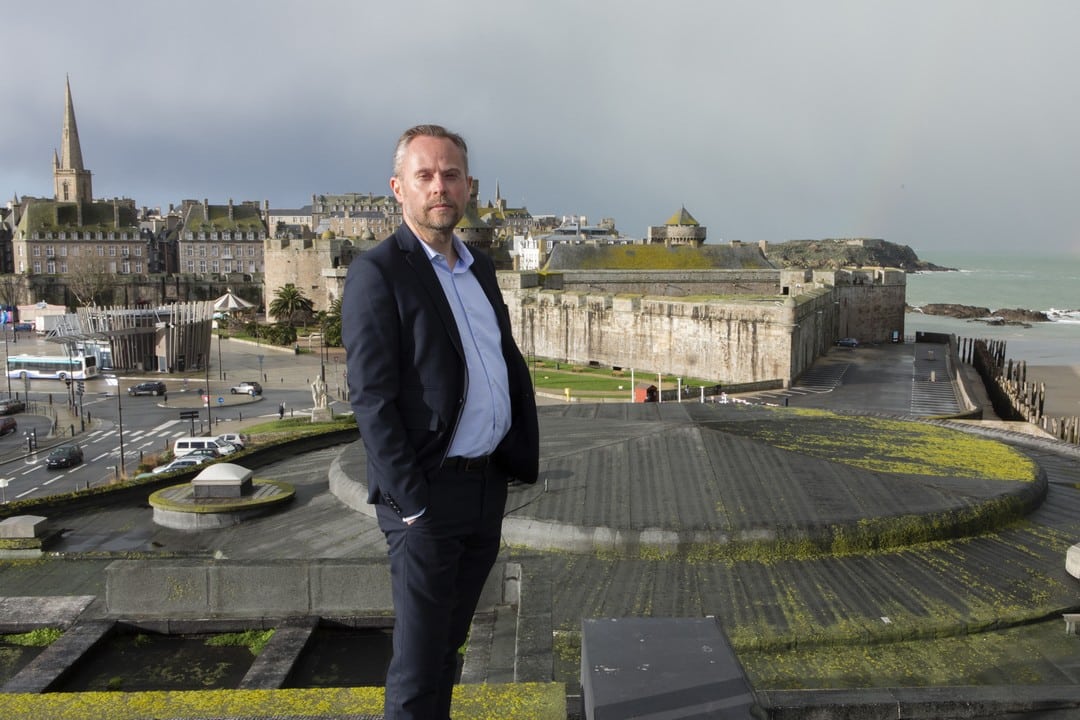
<point>946,125</point>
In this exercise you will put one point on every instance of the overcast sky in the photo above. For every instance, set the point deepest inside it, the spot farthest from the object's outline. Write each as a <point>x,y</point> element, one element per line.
<point>946,125</point>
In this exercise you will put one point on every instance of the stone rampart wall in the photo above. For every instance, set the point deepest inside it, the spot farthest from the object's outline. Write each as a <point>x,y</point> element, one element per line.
<point>726,339</point>
<point>731,342</point>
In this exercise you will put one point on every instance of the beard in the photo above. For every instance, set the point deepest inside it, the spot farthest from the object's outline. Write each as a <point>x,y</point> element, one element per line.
<point>441,215</point>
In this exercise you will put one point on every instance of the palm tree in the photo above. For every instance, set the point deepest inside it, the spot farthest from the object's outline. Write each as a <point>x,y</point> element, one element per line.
<point>331,324</point>
<point>289,302</point>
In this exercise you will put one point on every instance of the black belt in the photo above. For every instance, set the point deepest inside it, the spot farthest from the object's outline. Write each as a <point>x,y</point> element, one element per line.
<point>466,464</point>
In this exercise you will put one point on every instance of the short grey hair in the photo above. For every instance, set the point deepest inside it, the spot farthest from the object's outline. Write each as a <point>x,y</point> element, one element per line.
<point>435,131</point>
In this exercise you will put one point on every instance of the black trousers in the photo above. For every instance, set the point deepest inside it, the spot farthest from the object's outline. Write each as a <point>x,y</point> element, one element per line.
<point>438,567</point>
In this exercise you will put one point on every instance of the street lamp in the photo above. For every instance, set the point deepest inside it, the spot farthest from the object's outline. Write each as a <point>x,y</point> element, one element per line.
<point>209,420</point>
<point>115,380</point>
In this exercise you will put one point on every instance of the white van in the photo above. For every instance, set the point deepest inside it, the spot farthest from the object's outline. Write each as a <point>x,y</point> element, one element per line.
<point>184,445</point>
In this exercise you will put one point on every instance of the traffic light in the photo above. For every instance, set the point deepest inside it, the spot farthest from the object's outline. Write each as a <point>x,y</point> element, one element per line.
<point>80,386</point>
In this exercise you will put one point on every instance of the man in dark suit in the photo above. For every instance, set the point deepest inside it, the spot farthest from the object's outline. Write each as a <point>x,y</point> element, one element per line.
<point>446,410</point>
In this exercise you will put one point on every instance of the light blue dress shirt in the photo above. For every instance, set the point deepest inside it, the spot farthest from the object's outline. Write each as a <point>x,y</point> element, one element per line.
<point>485,419</point>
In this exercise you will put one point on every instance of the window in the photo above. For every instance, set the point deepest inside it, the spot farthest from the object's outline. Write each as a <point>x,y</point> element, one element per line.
<point>63,267</point>
<point>75,251</point>
<point>202,266</point>
<point>101,251</point>
<point>112,251</point>
<point>138,268</point>
<point>63,250</point>
<point>138,251</point>
<point>189,250</point>
<point>191,266</point>
<point>125,267</point>
<point>50,267</point>
<point>251,251</point>
<point>37,266</point>
<point>214,266</point>
<point>227,266</point>
<point>49,251</point>
<point>214,250</point>
<point>202,251</point>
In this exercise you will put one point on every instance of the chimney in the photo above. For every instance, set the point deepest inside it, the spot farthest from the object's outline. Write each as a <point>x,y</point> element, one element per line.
<point>230,210</point>
<point>206,209</point>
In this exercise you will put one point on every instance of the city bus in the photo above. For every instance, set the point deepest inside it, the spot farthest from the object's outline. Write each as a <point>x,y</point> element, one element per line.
<point>76,367</point>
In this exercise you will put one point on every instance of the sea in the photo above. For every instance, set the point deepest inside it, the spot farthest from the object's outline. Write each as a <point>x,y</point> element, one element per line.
<point>1050,284</point>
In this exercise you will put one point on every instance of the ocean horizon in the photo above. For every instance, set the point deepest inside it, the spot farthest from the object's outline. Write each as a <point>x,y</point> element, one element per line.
<point>1049,284</point>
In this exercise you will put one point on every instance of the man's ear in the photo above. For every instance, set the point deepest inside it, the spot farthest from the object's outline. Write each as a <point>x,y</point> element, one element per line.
<point>395,185</point>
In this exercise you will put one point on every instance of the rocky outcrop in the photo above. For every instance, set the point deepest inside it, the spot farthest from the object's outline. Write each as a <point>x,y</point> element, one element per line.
<point>836,254</point>
<point>1001,316</point>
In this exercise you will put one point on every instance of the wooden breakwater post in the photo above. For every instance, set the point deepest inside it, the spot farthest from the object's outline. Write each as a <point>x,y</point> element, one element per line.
<point>1011,394</point>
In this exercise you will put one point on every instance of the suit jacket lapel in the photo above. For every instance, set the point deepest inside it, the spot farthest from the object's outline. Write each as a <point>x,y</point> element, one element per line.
<point>417,258</point>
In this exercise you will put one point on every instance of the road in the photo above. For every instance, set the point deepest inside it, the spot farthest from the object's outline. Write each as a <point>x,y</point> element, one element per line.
<point>146,426</point>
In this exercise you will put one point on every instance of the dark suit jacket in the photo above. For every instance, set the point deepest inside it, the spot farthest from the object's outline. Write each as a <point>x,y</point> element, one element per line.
<point>406,371</point>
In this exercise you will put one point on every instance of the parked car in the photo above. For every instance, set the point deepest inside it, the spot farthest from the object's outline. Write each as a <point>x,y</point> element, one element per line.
<point>11,406</point>
<point>237,440</point>
<point>246,388</point>
<point>151,387</point>
<point>64,456</point>
<point>208,453</point>
<point>8,424</point>
<point>184,463</point>
<point>847,342</point>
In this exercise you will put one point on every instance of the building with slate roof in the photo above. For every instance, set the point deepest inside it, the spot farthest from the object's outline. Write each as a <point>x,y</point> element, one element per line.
<point>352,215</point>
<point>73,233</point>
<point>221,239</point>
<point>680,229</point>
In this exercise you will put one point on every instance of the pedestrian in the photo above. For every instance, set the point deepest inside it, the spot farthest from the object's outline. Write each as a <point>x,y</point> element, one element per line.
<point>281,410</point>
<point>165,398</point>
<point>446,412</point>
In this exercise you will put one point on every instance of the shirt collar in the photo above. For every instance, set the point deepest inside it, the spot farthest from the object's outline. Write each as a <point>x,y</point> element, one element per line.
<point>465,258</point>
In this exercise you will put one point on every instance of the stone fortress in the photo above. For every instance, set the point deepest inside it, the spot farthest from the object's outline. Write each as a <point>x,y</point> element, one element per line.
<point>582,294</point>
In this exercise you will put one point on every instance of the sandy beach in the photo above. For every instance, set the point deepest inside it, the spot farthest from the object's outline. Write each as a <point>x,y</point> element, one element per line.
<point>1062,388</point>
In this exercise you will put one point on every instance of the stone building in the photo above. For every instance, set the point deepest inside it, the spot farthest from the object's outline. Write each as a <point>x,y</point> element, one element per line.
<point>288,222</point>
<point>680,229</point>
<point>221,239</point>
<point>352,215</point>
<point>507,221</point>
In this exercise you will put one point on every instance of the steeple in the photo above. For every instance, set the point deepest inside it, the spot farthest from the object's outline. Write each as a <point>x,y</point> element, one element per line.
<point>70,178</point>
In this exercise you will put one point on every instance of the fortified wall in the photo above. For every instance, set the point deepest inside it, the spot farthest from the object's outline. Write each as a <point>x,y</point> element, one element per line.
<point>315,265</point>
<point>740,327</point>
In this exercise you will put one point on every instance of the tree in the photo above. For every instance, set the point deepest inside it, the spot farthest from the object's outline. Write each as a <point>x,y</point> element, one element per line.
<point>331,324</point>
<point>89,280</point>
<point>289,303</point>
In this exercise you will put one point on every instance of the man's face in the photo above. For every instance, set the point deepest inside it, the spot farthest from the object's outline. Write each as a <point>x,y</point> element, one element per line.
<point>432,186</point>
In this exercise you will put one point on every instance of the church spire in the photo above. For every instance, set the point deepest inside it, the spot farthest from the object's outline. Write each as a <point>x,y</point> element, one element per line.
<point>71,180</point>
<point>70,150</point>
